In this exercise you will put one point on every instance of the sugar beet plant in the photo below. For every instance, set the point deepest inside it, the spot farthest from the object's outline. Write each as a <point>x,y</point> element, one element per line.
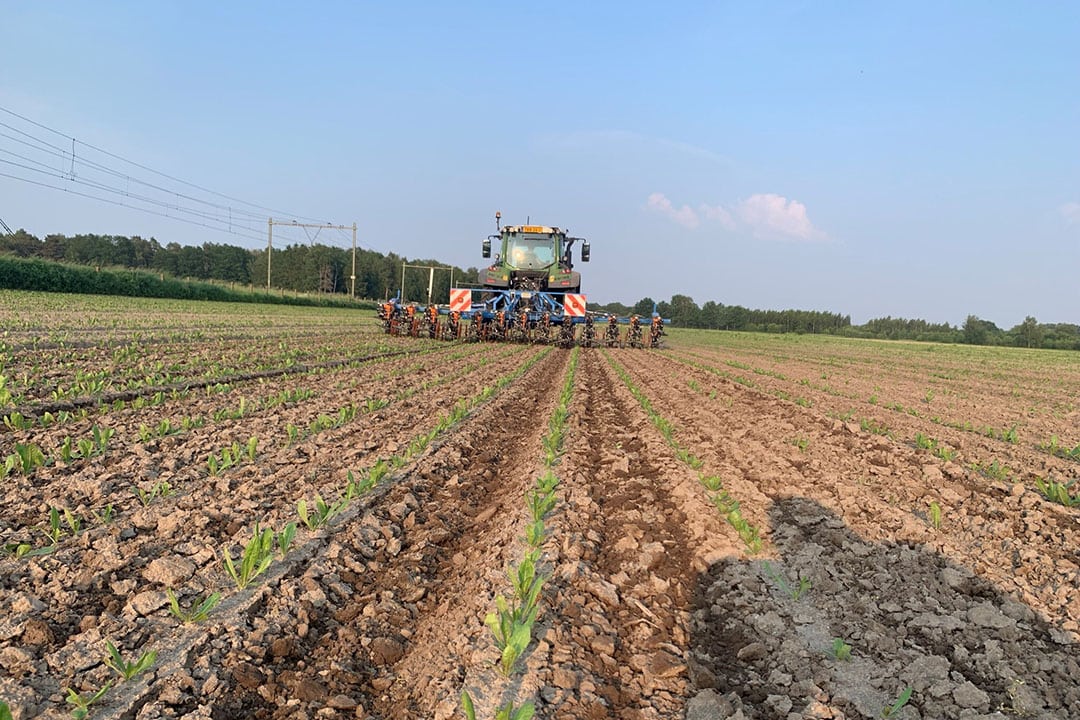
<point>724,502</point>
<point>257,555</point>
<point>511,623</point>
<point>232,455</point>
<point>1058,492</point>
<point>1055,447</point>
<point>128,669</point>
<point>198,612</point>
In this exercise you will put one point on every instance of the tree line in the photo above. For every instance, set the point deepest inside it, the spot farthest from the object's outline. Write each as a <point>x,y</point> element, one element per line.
<point>323,269</point>
<point>311,268</point>
<point>684,312</point>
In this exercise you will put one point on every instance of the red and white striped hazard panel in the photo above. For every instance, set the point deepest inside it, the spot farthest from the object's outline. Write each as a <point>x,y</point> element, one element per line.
<point>460,299</point>
<point>574,304</point>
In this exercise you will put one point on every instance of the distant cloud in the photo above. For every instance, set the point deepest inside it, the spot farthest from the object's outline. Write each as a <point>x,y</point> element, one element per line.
<point>1071,212</point>
<point>767,215</point>
<point>718,214</point>
<point>685,215</point>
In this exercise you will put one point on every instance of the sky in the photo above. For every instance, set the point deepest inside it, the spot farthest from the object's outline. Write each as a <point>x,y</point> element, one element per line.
<point>915,159</point>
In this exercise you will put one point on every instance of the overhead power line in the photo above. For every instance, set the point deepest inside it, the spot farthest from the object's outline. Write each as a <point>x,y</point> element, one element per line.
<point>33,158</point>
<point>121,204</point>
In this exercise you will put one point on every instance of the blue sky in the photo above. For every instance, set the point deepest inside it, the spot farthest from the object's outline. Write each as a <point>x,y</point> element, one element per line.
<point>916,159</point>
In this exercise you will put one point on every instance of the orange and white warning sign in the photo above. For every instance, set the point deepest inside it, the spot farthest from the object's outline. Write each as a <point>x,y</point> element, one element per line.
<point>460,299</point>
<point>574,304</point>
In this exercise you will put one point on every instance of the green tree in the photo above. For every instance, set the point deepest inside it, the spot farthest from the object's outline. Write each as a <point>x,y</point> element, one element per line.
<point>712,315</point>
<point>1029,332</point>
<point>684,311</point>
<point>644,306</point>
<point>974,331</point>
<point>20,243</point>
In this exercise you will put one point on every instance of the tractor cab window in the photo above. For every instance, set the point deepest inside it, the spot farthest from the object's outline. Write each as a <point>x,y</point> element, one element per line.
<point>526,253</point>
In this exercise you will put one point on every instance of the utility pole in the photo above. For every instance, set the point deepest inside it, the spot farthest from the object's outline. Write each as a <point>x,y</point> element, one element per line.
<point>269,249</point>
<point>292,223</point>
<point>352,289</point>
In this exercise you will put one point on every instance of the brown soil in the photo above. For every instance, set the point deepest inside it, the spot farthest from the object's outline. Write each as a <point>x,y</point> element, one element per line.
<point>653,607</point>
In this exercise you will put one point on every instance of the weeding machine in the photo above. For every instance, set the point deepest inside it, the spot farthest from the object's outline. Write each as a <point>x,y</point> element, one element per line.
<point>530,293</point>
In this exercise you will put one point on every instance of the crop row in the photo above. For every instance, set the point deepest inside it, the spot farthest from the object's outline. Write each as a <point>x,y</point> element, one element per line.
<point>256,556</point>
<point>73,384</point>
<point>726,505</point>
<point>511,623</point>
<point>946,451</point>
<point>794,590</point>
<point>228,456</point>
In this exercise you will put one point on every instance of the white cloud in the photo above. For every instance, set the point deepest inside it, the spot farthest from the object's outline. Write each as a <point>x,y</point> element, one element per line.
<point>685,215</point>
<point>718,214</point>
<point>767,215</point>
<point>1071,212</point>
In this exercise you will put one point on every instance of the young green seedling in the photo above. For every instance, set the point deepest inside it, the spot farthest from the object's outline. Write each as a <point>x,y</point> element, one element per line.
<point>198,612</point>
<point>793,592</point>
<point>28,457</point>
<point>466,706</point>
<point>125,669</point>
<point>935,516</point>
<point>26,550</point>
<point>101,439</point>
<point>898,704</point>
<point>86,448</point>
<point>285,538</point>
<point>254,561</point>
<point>54,531</point>
<point>73,522</point>
<point>82,703</point>
<point>511,627</point>
<point>540,504</point>
<point>323,512</point>
<point>840,650</point>
<point>526,581</point>
<point>67,453</point>
<point>535,534</point>
<point>508,712</point>
<point>1057,492</point>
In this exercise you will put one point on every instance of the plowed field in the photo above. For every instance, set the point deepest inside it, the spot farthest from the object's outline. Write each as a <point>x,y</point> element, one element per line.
<point>743,526</point>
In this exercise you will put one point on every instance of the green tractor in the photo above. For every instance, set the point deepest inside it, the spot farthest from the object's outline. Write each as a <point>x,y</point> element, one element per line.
<point>532,257</point>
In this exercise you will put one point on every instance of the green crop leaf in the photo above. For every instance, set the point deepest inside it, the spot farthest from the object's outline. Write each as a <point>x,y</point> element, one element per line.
<point>466,706</point>
<point>256,558</point>
<point>82,703</point>
<point>508,712</point>
<point>840,649</point>
<point>125,669</point>
<point>197,613</point>
<point>898,704</point>
<point>285,538</point>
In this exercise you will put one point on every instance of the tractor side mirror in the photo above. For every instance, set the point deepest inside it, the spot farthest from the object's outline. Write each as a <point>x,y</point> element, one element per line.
<point>487,248</point>
<point>585,252</point>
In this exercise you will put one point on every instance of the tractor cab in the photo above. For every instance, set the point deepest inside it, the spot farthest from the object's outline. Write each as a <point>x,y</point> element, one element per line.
<point>533,257</point>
